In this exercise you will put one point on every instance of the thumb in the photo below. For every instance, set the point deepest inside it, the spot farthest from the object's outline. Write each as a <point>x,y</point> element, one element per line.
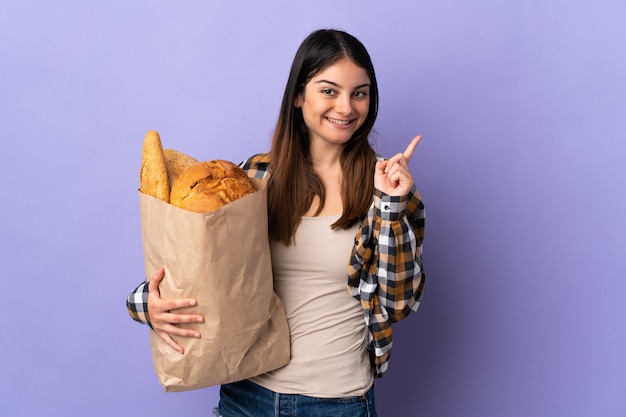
<point>156,279</point>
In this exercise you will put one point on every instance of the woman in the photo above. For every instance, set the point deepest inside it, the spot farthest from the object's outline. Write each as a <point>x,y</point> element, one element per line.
<point>332,203</point>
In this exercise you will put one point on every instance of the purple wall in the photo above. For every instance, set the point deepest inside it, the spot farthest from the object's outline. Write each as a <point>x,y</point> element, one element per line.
<point>522,169</point>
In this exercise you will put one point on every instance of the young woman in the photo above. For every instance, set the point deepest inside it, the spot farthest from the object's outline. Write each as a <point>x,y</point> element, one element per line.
<point>346,230</point>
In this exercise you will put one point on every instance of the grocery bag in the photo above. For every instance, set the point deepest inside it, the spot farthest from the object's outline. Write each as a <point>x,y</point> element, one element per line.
<point>221,259</point>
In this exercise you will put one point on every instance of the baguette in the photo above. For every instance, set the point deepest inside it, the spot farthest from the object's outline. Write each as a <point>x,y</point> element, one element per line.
<point>153,179</point>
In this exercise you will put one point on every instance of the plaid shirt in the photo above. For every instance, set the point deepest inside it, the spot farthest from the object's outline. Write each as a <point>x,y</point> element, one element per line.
<point>385,271</point>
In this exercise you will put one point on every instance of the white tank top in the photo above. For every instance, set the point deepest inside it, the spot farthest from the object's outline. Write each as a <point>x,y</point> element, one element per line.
<point>329,356</point>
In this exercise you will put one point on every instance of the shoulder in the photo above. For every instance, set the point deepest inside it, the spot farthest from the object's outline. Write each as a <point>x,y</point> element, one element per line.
<point>257,166</point>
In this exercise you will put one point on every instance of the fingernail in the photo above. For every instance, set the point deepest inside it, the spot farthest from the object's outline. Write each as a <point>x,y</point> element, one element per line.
<point>196,335</point>
<point>192,303</point>
<point>199,319</point>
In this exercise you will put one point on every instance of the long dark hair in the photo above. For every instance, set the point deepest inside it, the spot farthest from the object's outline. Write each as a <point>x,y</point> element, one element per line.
<point>293,183</point>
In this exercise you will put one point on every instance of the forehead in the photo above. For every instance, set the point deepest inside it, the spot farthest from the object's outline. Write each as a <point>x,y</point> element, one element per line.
<point>344,73</point>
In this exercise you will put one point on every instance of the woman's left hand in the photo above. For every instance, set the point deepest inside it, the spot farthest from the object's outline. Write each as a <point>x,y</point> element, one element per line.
<point>392,176</point>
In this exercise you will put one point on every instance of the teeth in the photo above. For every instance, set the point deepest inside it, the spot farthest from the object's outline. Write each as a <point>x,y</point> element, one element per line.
<point>339,122</point>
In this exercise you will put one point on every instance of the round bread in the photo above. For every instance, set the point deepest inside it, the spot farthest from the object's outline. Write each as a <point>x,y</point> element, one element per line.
<point>206,186</point>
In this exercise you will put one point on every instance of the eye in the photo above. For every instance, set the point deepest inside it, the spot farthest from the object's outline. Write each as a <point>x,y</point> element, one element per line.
<point>328,91</point>
<point>359,94</point>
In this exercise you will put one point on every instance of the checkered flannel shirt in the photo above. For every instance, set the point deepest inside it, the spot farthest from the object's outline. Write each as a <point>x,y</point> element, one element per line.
<point>385,272</point>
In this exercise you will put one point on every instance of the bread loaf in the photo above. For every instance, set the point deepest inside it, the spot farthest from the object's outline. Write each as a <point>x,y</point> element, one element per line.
<point>153,178</point>
<point>206,186</point>
<point>175,163</point>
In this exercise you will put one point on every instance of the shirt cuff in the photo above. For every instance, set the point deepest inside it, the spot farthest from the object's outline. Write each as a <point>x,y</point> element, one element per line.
<point>137,304</point>
<point>389,207</point>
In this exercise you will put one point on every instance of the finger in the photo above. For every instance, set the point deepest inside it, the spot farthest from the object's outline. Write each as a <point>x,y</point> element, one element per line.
<point>396,162</point>
<point>162,313</point>
<point>168,339</point>
<point>408,153</point>
<point>155,280</point>
<point>399,158</point>
<point>161,305</point>
<point>177,330</point>
<point>180,318</point>
<point>380,168</point>
<point>175,304</point>
<point>395,172</point>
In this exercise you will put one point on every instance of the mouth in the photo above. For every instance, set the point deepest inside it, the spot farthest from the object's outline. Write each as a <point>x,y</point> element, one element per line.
<point>339,122</point>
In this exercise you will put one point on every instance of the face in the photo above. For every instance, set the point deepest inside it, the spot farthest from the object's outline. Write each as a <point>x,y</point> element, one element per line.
<point>335,102</point>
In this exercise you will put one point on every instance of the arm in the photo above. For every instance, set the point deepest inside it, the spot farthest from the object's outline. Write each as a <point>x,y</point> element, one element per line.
<point>388,253</point>
<point>385,271</point>
<point>399,237</point>
<point>386,265</point>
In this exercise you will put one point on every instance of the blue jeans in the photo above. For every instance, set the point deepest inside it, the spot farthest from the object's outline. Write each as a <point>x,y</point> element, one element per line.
<point>247,399</point>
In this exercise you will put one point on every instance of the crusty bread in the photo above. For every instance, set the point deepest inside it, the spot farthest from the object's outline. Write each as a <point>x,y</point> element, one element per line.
<point>175,163</point>
<point>206,186</point>
<point>153,174</point>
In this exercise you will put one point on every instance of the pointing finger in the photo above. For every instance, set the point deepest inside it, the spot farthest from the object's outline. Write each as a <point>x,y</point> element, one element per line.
<point>408,153</point>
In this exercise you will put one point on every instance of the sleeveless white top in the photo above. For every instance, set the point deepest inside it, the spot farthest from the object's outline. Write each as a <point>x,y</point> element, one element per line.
<point>329,356</point>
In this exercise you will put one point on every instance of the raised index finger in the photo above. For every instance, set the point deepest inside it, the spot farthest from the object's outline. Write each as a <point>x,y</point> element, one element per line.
<point>408,153</point>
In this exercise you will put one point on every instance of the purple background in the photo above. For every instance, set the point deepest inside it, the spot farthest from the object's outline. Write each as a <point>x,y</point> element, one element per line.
<point>522,168</point>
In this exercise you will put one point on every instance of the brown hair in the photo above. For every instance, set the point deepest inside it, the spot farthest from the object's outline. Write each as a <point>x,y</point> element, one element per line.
<point>293,183</point>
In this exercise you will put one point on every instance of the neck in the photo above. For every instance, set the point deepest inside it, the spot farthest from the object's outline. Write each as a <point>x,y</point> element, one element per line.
<point>325,156</point>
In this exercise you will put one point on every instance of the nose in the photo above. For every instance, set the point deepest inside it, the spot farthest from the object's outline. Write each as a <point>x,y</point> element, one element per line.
<point>343,105</point>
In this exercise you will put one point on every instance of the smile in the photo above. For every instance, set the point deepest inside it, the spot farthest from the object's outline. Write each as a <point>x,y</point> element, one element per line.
<point>339,122</point>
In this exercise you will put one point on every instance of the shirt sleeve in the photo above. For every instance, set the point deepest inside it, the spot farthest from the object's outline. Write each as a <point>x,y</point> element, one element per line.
<point>257,166</point>
<point>137,304</point>
<point>386,261</point>
<point>385,271</point>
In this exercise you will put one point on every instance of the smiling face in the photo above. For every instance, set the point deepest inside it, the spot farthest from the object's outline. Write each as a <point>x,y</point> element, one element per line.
<point>335,102</point>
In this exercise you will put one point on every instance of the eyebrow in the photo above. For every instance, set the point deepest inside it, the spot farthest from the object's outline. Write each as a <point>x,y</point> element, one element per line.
<point>337,85</point>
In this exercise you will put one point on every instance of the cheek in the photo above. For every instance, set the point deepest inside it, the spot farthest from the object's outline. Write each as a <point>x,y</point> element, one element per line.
<point>364,109</point>
<point>312,110</point>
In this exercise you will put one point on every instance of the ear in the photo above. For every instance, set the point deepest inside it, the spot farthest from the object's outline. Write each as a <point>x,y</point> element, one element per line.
<point>297,103</point>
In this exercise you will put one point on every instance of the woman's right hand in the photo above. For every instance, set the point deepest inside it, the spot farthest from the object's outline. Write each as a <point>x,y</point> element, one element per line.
<point>165,322</point>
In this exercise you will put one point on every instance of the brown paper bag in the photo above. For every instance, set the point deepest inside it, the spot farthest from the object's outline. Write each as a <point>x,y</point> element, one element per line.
<point>222,259</point>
